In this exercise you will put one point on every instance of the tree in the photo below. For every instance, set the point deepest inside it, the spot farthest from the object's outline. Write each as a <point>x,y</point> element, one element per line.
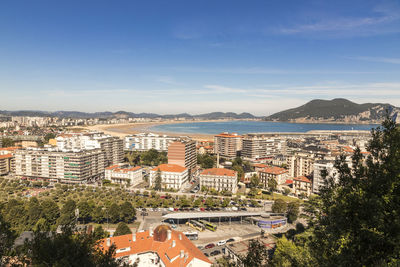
<point>254,181</point>
<point>50,211</point>
<point>49,136</point>
<point>157,181</point>
<point>287,253</point>
<point>85,211</point>
<point>66,249</point>
<point>293,209</point>
<point>206,161</point>
<point>127,212</point>
<point>99,233</point>
<point>272,185</point>
<point>113,213</point>
<point>7,237</point>
<point>122,229</point>
<point>67,213</point>
<point>8,142</point>
<point>256,256</point>
<point>356,222</point>
<point>97,214</point>
<point>279,206</point>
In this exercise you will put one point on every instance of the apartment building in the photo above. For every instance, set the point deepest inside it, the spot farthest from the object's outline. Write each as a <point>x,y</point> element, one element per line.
<point>65,166</point>
<point>161,247</point>
<point>7,161</point>
<point>219,179</point>
<point>183,153</point>
<point>227,144</point>
<point>278,174</point>
<point>172,176</point>
<point>257,146</point>
<point>124,174</point>
<point>147,141</point>
<point>113,147</point>
<point>301,185</point>
<point>321,166</point>
<point>300,164</point>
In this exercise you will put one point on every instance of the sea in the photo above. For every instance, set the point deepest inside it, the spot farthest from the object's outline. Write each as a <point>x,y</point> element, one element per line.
<point>243,127</point>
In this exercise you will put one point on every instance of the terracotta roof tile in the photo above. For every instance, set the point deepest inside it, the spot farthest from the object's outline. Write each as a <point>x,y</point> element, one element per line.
<point>169,168</point>
<point>274,170</point>
<point>302,179</point>
<point>219,172</point>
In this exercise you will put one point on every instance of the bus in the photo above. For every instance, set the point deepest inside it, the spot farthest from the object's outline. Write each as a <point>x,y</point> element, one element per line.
<point>196,225</point>
<point>191,235</point>
<point>209,225</point>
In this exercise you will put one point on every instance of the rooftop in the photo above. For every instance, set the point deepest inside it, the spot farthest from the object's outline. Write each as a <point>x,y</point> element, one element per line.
<point>274,170</point>
<point>228,135</point>
<point>219,172</point>
<point>198,215</point>
<point>302,179</point>
<point>169,168</point>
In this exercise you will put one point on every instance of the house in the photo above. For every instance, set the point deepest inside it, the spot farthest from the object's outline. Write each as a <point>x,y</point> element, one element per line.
<point>172,176</point>
<point>220,179</point>
<point>302,184</point>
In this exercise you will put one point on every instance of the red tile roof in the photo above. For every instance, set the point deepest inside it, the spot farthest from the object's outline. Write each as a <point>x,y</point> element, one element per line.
<point>274,170</point>
<point>219,172</point>
<point>302,179</point>
<point>289,181</point>
<point>116,168</point>
<point>229,135</point>
<point>158,243</point>
<point>6,156</point>
<point>169,168</point>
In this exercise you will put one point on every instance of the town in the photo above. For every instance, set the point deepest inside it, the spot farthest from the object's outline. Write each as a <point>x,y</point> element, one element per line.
<point>210,196</point>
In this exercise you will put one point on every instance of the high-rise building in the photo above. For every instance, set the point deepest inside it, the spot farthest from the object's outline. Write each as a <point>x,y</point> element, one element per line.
<point>65,166</point>
<point>227,144</point>
<point>113,147</point>
<point>147,141</point>
<point>183,153</point>
<point>257,146</point>
<point>321,168</point>
<point>300,165</point>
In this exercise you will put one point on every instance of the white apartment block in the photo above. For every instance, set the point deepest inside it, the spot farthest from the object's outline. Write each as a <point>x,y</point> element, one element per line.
<point>258,146</point>
<point>124,175</point>
<point>219,179</point>
<point>65,166</point>
<point>147,141</point>
<point>301,185</point>
<point>280,175</point>
<point>321,166</point>
<point>172,176</point>
<point>112,146</point>
<point>300,165</point>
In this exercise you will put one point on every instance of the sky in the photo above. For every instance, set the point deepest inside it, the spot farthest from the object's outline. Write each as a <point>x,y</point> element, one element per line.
<point>196,56</point>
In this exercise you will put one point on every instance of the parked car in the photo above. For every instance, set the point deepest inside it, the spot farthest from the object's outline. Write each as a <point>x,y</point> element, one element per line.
<point>221,243</point>
<point>215,252</point>
<point>211,245</point>
<point>200,247</point>
<point>206,254</point>
<point>230,240</point>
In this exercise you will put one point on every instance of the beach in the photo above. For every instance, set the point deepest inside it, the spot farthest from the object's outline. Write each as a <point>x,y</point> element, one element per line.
<point>122,130</point>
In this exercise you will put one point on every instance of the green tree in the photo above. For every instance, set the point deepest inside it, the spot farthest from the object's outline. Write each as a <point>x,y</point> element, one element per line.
<point>85,211</point>
<point>7,237</point>
<point>254,181</point>
<point>99,233</point>
<point>206,161</point>
<point>8,142</point>
<point>122,229</point>
<point>256,256</point>
<point>49,136</point>
<point>356,222</point>
<point>287,253</point>
<point>272,185</point>
<point>279,206</point>
<point>157,181</point>
<point>113,213</point>
<point>127,212</point>
<point>293,210</point>
<point>97,214</point>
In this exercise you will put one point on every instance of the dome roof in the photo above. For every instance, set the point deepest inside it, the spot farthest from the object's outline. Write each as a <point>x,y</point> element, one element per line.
<point>161,233</point>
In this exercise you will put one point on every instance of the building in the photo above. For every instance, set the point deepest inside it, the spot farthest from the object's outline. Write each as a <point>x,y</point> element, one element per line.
<point>5,163</point>
<point>55,165</point>
<point>321,166</point>
<point>257,146</point>
<point>161,247</point>
<point>124,174</point>
<point>300,165</point>
<point>278,174</point>
<point>112,147</point>
<point>227,144</point>
<point>219,179</point>
<point>172,176</point>
<point>183,153</point>
<point>147,141</point>
<point>301,185</point>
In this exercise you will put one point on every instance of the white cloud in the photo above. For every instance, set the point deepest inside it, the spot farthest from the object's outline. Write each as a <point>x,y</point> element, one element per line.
<point>378,59</point>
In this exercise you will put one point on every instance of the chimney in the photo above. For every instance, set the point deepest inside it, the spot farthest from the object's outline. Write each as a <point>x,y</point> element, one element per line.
<point>182,254</point>
<point>169,235</point>
<point>134,237</point>
<point>108,242</point>
<point>150,231</point>
<point>173,243</point>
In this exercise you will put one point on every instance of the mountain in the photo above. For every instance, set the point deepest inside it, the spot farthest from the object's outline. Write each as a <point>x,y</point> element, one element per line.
<point>125,114</point>
<point>337,110</point>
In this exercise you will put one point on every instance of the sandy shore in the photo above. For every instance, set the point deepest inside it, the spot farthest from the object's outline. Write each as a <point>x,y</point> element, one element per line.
<point>121,130</point>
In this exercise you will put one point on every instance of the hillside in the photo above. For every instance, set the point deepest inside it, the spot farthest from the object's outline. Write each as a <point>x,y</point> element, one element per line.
<point>336,110</point>
<point>124,114</point>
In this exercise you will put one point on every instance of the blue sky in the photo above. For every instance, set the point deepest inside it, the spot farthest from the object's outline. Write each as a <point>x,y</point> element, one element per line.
<point>196,56</point>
